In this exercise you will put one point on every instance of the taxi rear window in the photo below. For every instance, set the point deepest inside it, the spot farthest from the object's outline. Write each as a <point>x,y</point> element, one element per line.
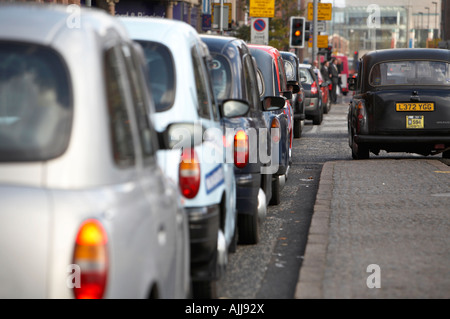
<point>221,76</point>
<point>35,103</point>
<point>161,75</point>
<point>411,72</point>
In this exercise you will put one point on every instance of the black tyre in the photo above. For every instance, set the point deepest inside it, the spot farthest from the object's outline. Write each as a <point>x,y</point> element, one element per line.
<point>446,154</point>
<point>297,128</point>
<point>248,227</point>
<point>276,192</point>
<point>360,151</point>
<point>204,289</point>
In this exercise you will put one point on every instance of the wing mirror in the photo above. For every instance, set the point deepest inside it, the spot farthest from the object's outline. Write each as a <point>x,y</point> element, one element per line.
<point>293,86</point>
<point>273,103</point>
<point>352,82</point>
<point>234,108</point>
<point>178,135</point>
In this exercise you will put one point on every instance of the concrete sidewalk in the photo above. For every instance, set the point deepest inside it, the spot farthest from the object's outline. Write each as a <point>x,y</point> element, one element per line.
<point>379,222</point>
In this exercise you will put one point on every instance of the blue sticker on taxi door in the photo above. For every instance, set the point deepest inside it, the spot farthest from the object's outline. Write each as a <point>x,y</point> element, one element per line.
<point>214,179</point>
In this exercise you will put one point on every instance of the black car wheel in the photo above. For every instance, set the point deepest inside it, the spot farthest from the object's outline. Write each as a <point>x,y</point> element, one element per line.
<point>297,128</point>
<point>318,117</point>
<point>276,196</point>
<point>446,154</point>
<point>359,151</point>
<point>248,227</point>
<point>204,289</point>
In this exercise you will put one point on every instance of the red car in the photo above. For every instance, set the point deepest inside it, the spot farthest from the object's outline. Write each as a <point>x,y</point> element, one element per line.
<point>324,88</point>
<point>272,81</point>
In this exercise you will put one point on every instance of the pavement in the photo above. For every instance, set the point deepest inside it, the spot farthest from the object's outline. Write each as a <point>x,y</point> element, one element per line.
<point>380,230</point>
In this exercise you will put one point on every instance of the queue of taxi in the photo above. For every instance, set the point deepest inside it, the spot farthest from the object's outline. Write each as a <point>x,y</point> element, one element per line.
<point>127,168</point>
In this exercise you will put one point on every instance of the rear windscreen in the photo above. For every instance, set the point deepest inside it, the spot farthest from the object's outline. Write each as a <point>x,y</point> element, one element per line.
<point>161,75</point>
<point>221,76</point>
<point>305,76</point>
<point>35,103</point>
<point>410,72</point>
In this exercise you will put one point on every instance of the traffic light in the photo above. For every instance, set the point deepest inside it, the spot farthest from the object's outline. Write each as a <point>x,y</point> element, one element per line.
<point>297,32</point>
<point>329,51</point>
<point>355,61</point>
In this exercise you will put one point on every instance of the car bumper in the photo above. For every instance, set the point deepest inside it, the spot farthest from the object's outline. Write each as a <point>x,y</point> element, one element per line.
<point>398,139</point>
<point>203,230</point>
<point>424,145</point>
<point>311,105</point>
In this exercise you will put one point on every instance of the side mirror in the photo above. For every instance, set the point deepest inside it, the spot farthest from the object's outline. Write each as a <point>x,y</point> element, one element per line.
<point>234,108</point>
<point>293,86</point>
<point>352,82</point>
<point>287,94</point>
<point>273,103</point>
<point>178,135</point>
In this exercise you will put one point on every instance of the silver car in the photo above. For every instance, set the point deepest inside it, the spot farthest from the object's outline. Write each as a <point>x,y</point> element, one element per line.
<point>85,210</point>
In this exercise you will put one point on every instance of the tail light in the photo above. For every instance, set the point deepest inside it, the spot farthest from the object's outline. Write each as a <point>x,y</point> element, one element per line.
<point>361,118</point>
<point>91,255</point>
<point>314,88</point>
<point>189,173</point>
<point>275,130</point>
<point>241,149</point>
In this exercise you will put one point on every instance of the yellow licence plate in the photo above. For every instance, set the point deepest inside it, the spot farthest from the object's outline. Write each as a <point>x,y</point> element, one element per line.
<point>414,121</point>
<point>408,107</point>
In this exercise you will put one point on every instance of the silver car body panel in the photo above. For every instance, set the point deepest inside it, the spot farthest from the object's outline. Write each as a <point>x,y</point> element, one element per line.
<point>44,203</point>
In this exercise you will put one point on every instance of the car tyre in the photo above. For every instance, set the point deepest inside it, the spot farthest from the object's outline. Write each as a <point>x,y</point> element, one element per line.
<point>446,154</point>
<point>234,241</point>
<point>318,117</point>
<point>276,191</point>
<point>359,151</point>
<point>297,128</point>
<point>248,228</point>
<point>204,289</point>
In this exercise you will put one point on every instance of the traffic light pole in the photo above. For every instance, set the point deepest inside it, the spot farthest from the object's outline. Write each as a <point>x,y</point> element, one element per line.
<point>314,44</point>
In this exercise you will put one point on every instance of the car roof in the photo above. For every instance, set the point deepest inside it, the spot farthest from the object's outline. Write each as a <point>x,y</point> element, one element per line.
<point>269,49</point>
<point>377,56</point>
<point>52,20</point>
<point>220,43</point>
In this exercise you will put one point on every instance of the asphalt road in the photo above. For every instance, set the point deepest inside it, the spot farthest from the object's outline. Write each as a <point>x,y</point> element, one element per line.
<point>270,269</point>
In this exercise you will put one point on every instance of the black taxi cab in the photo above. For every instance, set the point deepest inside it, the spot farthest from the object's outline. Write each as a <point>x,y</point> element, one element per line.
<point>401,103</point>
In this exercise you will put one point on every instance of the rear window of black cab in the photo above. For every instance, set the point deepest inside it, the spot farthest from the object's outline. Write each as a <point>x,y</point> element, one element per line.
<point>161,74</point>
<point>410,73</point>
<point>35,103</point>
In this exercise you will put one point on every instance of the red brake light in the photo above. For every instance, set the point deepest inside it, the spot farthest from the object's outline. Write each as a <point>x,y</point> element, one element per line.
<point>275,130</point>
<point>241,149</point>
<point>314,88</point>
<point>91,255</point>
<point>189,173</point>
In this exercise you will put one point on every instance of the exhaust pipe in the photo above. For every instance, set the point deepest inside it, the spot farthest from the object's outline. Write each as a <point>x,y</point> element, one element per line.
<point>262,204</point>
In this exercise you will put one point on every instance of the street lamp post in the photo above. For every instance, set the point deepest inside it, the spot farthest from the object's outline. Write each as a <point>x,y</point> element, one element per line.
<point>435,18</point>
<point>428,23</point>
<point>421,27</point>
